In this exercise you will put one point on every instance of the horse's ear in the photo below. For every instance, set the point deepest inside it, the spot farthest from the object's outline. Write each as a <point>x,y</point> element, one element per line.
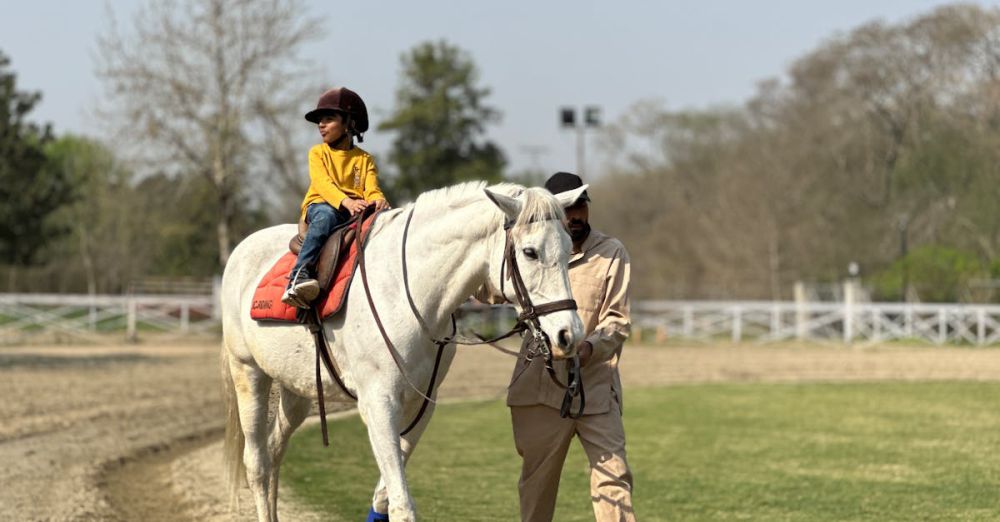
<point>569,197</point>
<point>511,207</point>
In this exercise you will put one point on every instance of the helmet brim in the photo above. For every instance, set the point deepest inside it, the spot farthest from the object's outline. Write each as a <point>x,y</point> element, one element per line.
<point>315,115</point>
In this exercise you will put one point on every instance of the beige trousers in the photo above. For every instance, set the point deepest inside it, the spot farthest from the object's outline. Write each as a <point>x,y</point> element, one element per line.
<point>542,439</point>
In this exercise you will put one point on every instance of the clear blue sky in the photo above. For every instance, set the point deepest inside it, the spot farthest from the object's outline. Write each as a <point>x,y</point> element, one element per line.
<point>535,55</point>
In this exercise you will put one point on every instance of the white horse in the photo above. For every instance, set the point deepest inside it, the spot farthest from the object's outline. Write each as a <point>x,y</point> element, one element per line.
<point>456,243</point>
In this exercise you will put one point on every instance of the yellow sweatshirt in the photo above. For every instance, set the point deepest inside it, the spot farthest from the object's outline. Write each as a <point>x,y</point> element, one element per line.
<point>338,174</point>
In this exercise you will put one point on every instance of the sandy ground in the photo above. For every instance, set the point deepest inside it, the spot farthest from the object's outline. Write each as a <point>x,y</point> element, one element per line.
<point>133,432</point>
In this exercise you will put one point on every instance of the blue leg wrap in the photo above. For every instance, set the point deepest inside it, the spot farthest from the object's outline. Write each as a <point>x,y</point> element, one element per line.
<point>375,516</point>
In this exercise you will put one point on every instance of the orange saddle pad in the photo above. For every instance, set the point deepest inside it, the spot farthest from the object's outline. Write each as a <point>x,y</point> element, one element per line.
<point>267,305</point>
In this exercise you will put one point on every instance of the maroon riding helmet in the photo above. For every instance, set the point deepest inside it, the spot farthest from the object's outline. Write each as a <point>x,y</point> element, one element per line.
<point>344,101</point>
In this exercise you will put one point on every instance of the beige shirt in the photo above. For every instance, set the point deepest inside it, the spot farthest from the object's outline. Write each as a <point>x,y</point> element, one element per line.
<point>599,279</point>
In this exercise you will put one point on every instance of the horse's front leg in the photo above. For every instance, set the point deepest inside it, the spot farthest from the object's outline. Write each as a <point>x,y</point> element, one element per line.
<point>408,443</point>
<point>380,412</point>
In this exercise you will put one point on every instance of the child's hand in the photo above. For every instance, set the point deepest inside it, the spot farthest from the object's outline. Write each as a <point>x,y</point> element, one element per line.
<point>354,206</point>
<point>381,204</point>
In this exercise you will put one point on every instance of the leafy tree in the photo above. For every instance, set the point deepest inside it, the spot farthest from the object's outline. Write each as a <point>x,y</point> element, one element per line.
<point>29,192</point>
<point>110,240</point>
<point>936,273</point>
<point>183,214</point>
<point>440,121</point>
<point>123,229</point>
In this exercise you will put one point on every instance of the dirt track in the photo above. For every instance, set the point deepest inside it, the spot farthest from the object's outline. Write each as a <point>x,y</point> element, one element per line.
<point>130,433</point>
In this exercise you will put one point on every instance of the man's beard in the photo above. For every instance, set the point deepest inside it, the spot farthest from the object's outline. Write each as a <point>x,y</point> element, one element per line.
<point>578,230</point>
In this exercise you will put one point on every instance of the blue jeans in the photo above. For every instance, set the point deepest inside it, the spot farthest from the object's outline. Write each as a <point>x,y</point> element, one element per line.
<point>323,219</point>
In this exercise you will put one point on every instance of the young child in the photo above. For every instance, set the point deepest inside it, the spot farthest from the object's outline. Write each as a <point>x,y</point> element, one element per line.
<point>343,182</point>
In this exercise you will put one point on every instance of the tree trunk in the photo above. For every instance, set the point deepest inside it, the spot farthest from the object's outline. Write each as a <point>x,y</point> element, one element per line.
<point>87,260</point>
<point>222,181</point>
<point>222,231</point>
<point>775,265</point>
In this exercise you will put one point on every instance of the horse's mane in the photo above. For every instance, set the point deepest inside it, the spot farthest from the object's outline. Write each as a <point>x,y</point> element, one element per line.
<point>461,194</point>
<point>539,204</point>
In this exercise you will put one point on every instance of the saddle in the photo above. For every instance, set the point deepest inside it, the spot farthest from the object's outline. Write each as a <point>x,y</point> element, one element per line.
<point>339,240</point>
<point>335,269</point>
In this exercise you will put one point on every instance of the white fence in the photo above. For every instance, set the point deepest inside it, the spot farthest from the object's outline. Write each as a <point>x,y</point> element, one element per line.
<point>28,318</point>
<point>848,322</point>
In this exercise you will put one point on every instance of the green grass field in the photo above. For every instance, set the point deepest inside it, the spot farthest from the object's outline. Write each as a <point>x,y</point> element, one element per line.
<point>871,451</point>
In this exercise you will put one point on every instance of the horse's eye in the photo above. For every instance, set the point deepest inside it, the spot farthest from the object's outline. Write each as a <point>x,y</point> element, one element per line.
<point>530,253</point>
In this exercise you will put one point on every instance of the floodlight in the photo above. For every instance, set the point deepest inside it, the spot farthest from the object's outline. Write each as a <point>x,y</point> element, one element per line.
<point>568,117</point>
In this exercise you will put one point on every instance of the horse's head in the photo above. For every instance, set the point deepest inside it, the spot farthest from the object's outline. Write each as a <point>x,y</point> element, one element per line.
<point>532,267</point>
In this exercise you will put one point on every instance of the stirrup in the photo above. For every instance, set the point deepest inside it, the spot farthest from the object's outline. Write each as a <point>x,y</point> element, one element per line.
<point>375,516</point>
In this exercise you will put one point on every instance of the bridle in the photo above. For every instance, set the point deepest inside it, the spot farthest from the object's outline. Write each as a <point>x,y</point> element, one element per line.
<point>539,343</point>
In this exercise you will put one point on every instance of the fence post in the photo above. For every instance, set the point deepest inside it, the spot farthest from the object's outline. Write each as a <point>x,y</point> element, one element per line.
<point>848,311</point>
<point>130,320</point>
<point>800,310</point>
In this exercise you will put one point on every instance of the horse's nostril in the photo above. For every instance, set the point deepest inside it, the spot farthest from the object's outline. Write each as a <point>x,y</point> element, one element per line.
<point>563,338</point>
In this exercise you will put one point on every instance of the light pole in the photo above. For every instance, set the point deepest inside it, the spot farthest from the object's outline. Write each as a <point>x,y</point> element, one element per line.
<point>591,119</point>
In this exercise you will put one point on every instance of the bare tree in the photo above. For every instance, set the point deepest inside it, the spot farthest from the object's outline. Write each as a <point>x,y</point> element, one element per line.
<point>884,125</point>
<point>196,84</point>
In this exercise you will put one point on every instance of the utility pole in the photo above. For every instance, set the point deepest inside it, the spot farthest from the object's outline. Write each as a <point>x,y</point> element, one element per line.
<point>591,119</point>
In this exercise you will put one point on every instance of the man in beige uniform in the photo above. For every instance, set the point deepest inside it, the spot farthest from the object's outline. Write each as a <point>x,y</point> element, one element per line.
<point>599,278</point>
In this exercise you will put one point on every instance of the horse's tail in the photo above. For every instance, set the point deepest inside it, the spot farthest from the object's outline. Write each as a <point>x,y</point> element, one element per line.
<point>234,441</point>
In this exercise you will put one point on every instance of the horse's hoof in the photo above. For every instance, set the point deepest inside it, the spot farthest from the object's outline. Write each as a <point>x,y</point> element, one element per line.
<point>375,516</point>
